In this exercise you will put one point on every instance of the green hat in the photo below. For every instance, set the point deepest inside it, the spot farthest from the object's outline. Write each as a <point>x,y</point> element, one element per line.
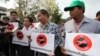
<point>75,4</point>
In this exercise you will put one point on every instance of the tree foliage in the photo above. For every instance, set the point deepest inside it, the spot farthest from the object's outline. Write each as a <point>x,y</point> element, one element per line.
<point>53,10</point>
<point>27,7</point>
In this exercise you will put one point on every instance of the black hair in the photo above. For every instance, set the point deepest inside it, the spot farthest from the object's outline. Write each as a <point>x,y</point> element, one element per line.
<point>5,18</point>
<point>98,13</point>
<point>44,12</point>
<point>30,19</point>
<point>13,12</point>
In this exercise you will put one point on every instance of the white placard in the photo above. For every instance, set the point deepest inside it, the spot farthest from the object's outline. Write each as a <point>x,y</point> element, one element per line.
<point>44,44</point>
<point>80,44</point>
<point>15,24</point>
<point>23,41</point>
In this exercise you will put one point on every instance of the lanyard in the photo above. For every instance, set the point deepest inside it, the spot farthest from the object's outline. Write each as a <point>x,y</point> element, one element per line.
<point>77,27</point>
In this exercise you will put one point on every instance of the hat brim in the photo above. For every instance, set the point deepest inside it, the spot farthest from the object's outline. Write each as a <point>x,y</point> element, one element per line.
<point>68,8</point>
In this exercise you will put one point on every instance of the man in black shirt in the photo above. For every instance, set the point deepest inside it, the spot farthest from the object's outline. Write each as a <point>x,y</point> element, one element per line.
<point>14,47</point>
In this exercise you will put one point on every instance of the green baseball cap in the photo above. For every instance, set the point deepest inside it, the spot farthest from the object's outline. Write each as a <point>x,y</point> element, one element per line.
<point>75,4</point>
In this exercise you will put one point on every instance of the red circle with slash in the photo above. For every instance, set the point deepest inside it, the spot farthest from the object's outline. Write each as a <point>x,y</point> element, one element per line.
<point>20,35</point>
<point>82,42</point>
<point>10,26</point>
<point>41,40</point>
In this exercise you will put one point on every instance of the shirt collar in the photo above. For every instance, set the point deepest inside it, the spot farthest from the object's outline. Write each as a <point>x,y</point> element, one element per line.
<point>28,27</point>
<point>85,19</point>
<point>44,26</point>
<point>14,21</point>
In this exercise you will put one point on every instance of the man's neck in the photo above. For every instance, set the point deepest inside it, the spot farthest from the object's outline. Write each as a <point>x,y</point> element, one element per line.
<point>13,20</point>
<point>27,26</point>
<point>44,23</point>
<point>78,19</point>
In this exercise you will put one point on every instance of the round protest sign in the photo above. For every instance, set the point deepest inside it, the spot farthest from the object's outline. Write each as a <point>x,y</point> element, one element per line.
<point>41,40</point>
<point>20,35</point>
<point>82,42</point>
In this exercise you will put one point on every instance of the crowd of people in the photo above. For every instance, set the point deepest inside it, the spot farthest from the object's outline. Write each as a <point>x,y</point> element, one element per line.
<point>77,23</point>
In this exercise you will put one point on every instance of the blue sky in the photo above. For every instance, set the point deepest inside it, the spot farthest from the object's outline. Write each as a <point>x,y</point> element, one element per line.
<point>92,6</point>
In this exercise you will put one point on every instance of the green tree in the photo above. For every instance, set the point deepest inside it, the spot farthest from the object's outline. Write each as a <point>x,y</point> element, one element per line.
<point>53,10</point>
<point>56,16</point>
<point>22,8</point>
<point>27,7</point>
